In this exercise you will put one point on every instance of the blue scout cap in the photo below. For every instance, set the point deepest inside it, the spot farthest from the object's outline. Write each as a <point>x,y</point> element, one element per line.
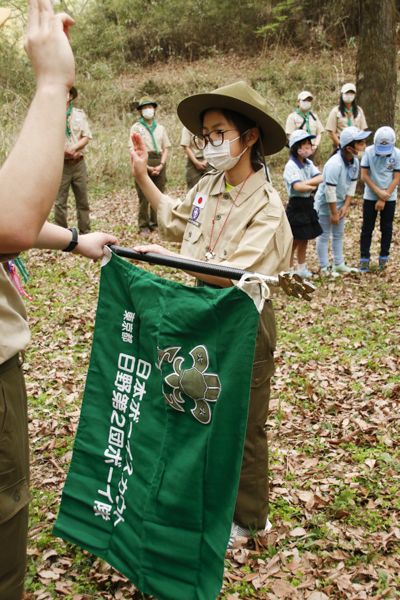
<point>384,140</point>
<point>352,134</point>
<point>299,135</point>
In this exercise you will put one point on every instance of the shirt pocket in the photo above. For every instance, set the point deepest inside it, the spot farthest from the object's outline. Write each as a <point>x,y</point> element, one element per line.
<point>193,234</point>
<point>227,249</point>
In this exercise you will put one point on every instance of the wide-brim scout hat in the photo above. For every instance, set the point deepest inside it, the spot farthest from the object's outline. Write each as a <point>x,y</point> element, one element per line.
<point>146,100</point>
<point>74,92</point>
<point>4,14</point>
<point>244,100</point>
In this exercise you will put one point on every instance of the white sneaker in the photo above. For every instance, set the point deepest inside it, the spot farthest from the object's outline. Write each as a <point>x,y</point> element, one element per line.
<point>237,530</point>
<point>343,268</point>
<point>327,272</point>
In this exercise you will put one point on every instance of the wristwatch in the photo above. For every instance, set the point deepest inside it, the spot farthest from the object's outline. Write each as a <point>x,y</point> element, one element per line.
<point>74,241</point>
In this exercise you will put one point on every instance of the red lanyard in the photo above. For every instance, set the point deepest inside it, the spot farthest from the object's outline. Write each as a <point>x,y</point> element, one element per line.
<point>210,253</point>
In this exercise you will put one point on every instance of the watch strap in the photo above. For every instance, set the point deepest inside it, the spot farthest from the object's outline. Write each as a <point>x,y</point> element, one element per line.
<point>74,241</point>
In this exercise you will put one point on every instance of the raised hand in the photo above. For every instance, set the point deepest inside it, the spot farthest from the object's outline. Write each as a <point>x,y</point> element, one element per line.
<point>47,46</point>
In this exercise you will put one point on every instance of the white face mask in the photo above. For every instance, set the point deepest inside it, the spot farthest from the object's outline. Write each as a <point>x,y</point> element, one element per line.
<point>220,158</point>
<point>304,152</point>
<point>305,105</point>
<point>148,113</point>
<point>348,97</point>
<point>358,154</point>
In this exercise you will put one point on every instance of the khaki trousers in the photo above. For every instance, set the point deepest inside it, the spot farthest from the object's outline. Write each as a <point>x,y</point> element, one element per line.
<point>74,176</point>
<point>252,504</point>
<point>14,479</point>
<point>146,220</point>
<point>192,174</point>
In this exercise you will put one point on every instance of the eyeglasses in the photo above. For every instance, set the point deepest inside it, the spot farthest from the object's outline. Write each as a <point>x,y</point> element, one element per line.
<point>216,138</point>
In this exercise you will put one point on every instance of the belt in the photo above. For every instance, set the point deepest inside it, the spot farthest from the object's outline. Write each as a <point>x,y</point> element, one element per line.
<point>12,362</point>
<point>73,161</point>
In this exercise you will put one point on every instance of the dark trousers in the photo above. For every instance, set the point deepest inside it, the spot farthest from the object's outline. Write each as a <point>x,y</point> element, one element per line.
<point>146,220</point>
<point>368,225</point>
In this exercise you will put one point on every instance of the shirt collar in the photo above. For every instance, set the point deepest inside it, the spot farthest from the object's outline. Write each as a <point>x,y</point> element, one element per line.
<point>255,181</point>
<point>298,162</point>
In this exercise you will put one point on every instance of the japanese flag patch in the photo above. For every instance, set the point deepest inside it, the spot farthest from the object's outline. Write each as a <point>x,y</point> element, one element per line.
<point>200,200</point>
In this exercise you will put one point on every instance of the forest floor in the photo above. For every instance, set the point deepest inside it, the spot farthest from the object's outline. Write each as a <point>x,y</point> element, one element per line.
<point>335,403</point>
<point>333,429</point>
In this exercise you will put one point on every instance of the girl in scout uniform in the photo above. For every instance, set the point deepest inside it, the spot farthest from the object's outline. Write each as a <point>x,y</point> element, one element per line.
<point>304,119</point>
<point>334,196</point>
<point>196,165</point>
<point>301,179</point>
<point>346,114</point>
<point>157,144</point>
<point>380,171</point>
<point>232,217</point>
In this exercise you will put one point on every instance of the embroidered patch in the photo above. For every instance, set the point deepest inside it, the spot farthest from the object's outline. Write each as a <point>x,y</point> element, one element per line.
<point>195,213</point>
<point>389,167</point>
<point>200,200</point>
<point>194,383</point>
<point>352,171</point>
<point>142,131</point>
<point>193,222</point>
<point>392,161</point>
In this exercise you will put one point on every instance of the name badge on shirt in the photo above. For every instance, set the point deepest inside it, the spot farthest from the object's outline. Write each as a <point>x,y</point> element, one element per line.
<point>200,200</point>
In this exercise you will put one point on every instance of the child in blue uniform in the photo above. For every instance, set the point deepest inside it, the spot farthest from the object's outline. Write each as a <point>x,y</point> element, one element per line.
<point>334,196</point>
<point>380,171</point>
<point>301,178</point>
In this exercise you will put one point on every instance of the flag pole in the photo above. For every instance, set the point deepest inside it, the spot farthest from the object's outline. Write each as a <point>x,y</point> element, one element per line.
<point>292,285</point>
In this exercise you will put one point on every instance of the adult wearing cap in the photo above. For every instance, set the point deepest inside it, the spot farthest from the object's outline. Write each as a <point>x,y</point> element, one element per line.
<point>346,114</point>
<point>29,181</point>
<point>304,119</point>
<point>380,171</point>
<point>77,137</point>
<point>157,143</point>
<point>302,178</point>
<point>196,165</point>
<point>334,196</point>
<point>232,217</point>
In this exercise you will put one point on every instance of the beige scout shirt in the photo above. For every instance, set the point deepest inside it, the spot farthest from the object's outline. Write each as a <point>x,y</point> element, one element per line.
<point>337,122</point>
<point>295,120</point>
<point>187,140</point>
<point>79,128</point>
<point>257,235</point>
<point>14,329</point>
<point>160,135</point>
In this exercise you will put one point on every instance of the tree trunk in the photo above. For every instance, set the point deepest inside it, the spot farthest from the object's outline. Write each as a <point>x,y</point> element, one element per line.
<point>376,63</point>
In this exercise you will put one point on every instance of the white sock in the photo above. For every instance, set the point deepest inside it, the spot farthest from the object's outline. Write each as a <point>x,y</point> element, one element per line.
<point>300,268</point>
<point>291,269</point>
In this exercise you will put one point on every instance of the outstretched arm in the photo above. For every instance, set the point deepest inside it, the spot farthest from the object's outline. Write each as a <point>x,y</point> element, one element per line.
<point>90,245</point>
<point>31,175</point>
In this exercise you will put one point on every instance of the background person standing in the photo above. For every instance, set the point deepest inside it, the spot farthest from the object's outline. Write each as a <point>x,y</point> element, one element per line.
<point>77,136</point>
<point>304,119</point>
<point>196,165</point>
<point>157,143</point>
<point>346,114</point>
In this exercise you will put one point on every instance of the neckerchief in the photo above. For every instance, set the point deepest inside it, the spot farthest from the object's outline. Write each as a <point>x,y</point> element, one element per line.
<point>150,130</point>
<point>306,118</point>
<point>349,112</point>
<point>67,129</point>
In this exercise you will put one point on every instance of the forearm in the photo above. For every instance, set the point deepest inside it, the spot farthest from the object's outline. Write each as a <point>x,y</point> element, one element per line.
<point>367,179</point>
<point>317,140</point>
<point>394,184</point>
<point>31,175</point>
<point>347,202</point>
<point>150,190</point>
<point>52,237</point>
<point>82,143</point>
<point>334,137</point>
<point>190,154</point>
<point>164,156</point>
<point>333,209</point>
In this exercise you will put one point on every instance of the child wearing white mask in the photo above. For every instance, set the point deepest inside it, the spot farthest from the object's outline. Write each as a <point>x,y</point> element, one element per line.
<point>346,114</point>
<point>157,144</point>
<point>380,171</point>
<point>334,197</point>
<point>304,119</point>
<point>301,179</point>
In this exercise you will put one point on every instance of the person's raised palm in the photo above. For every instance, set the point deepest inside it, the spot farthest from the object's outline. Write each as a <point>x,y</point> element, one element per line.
<point>139,157</point>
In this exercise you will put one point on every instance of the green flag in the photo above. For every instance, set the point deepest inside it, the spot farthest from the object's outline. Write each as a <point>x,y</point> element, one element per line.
<point>155,470</point>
